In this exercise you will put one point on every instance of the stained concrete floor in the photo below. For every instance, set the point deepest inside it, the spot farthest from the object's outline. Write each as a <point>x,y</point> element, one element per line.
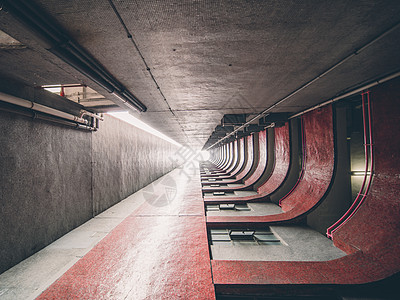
<point>31,277</point>
<point>298,243</point>
<point>47,269</point>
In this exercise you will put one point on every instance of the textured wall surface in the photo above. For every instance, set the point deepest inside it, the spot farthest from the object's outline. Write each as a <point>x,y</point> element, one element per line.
<point>294,163</point>
<point>125,159</point>
<point>45,185</point>
<point>282,160</point>
<point>318,127</point>
<point>337,201</point>
<point>261,159</point>
<point>314,184</point>
<point>47,175</point>
<point>371,236</point>
<point>235,156</point>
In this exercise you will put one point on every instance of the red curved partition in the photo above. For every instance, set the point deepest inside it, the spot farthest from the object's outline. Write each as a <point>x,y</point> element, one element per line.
<point>249,159</point>
<point>228,160</point>
<point>238,167</point>
<point>223,159</point>
<point>258,172</point>
<point>278,175</point>
<point>371,237</point>
<point>234,158</point>
<point>316,178</point>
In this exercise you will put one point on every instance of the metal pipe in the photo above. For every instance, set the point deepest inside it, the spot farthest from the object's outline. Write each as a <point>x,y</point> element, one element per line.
<point>358,51</point>
<point>41,108</point>
<point>42,116</point>
<point>353,92</point>
<point>369,153</point>
<point>88,113</point>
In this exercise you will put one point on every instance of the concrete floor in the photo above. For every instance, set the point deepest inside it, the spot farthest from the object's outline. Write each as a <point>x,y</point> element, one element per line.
<point>257,209</point>
<point>31,277</point>
<point>298,243</point>
<point>169,233</point>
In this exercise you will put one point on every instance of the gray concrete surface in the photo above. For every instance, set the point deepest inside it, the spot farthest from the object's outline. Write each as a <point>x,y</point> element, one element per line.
<point>53,178</point>
<point>45,185</point>
<point>130,157</point>
<point>211,58</point>
<point>298,243</point>
<point>32,276</point>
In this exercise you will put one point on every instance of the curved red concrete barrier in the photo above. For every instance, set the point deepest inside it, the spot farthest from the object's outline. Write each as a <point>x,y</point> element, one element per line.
<point>258,172</point>
<point>278,175</point>
<point>247,165</point>
<point>229,161</point>
<point>371,237</point>
<point>317,176</point>
<point>235,156</point>
<point>239,165</point>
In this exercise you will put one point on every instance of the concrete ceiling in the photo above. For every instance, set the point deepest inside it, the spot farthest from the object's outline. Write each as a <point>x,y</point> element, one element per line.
<point>212,58</point>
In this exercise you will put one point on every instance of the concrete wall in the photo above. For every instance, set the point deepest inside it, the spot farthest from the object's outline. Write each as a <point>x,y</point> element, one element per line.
<point>339,197</point>
<point>54,178</point>
<point>295,163</point>
<point>125,159</point>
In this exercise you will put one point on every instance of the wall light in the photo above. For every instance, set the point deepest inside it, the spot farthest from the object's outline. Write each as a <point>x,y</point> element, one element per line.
<point>128,118</point>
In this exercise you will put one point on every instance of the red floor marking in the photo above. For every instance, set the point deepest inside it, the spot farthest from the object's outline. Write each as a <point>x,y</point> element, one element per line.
<point>148,256</point>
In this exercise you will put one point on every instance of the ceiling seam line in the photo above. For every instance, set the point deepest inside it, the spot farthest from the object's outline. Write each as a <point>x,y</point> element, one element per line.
<point>130,37</point>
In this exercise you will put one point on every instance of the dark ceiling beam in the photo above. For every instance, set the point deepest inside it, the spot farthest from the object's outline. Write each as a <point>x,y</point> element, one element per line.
<point>56,40</point>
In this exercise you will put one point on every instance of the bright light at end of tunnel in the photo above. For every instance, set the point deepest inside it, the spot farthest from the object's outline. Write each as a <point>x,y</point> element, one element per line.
<point>203,155</point>
<point>128,118</point>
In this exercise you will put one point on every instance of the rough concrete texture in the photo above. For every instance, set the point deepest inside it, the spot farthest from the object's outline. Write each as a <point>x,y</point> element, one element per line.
<point>157,252</point>
<point>46,177</point>
<point>24,282</point>
<point>370,237</point>
<point>298,243</point>
<point>211,58</point>
<point>125,159</point>
<point>45,184</point>
<point>337,201</point>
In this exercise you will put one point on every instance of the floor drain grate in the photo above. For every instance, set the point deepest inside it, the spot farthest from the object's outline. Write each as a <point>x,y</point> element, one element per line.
<point>228,206</point>
<point>240,236</point>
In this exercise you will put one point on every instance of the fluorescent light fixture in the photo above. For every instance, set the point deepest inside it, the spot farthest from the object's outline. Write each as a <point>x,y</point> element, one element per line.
<point>53,89</point>
<point>359,173</point>
<point>128,118</point>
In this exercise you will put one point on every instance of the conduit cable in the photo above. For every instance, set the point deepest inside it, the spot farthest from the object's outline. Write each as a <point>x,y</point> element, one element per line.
<point>42,108</point>
<point>330,69</point>
<point>130,37</point>
<point>369,166</point>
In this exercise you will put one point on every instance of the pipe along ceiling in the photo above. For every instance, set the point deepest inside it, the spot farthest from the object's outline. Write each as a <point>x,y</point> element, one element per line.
<point>55,40</point>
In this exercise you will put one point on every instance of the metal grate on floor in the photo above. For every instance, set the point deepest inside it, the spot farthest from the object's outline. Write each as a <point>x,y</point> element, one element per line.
<point>243,236</point>
<point>228,206</point>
